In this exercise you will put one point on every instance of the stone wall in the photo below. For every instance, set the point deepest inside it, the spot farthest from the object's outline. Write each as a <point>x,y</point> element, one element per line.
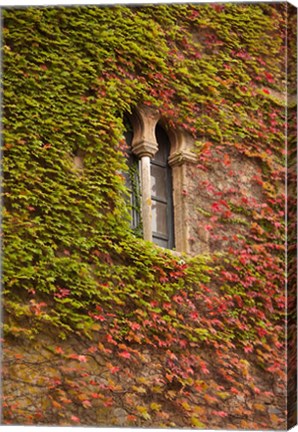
<point>216,197</point>
<point>44,384</point>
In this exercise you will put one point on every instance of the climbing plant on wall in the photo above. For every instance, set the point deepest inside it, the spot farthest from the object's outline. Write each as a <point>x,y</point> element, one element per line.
<point>116,322</point>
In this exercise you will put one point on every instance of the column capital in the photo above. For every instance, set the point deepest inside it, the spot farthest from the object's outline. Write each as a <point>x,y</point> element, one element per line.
<point>181,157</point>
<point>144,148</point>
<point>144,124</point>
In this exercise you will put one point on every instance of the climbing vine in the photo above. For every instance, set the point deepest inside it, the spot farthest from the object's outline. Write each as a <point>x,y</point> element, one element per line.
<point>112,328</point>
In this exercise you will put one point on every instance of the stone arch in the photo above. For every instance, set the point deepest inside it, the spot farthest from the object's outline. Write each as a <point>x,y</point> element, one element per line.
<point>144,120</point>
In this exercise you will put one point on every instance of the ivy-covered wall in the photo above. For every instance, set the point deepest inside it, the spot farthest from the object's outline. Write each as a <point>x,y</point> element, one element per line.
<point>101,327</point>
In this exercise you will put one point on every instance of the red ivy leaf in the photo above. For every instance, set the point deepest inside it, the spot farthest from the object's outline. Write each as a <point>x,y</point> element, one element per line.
<point>82,358</point>
<point>99,317</point>
<point>86,404</point>
<point>59,350</point>
<point>220,413</point>
<point>124,354</point>
<point>111,340</point>
<point>112,369</point>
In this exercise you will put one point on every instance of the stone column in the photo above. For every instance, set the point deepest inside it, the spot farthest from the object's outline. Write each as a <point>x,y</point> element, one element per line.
<point>144,145</point>
<point>145,151</point>
<point>146,198</point>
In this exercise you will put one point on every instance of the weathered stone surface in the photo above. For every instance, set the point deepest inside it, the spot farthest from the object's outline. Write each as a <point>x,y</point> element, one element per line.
<point>39,383</point>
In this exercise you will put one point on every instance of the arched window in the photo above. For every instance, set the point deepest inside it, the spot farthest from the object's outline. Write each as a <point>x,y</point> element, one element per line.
<point>158,163</point>
<point>162,222</point>
<point>161,192</point>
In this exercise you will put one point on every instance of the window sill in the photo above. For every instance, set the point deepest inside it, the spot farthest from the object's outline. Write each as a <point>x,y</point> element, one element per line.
<point>171,251</point>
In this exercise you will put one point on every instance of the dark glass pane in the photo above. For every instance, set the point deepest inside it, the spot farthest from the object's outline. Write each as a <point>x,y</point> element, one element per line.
<point>133,185</point>
<point>161,192</point>
<point>128,133</point>
<point>159,218</point>
<point>160,242</point>
<point>128,137</point>
<point>132,176</point>
<point>158,182</point>
<point>160,156</point>
<point>132,181</point>
<point>127,180</point>
<point>163,145</point>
